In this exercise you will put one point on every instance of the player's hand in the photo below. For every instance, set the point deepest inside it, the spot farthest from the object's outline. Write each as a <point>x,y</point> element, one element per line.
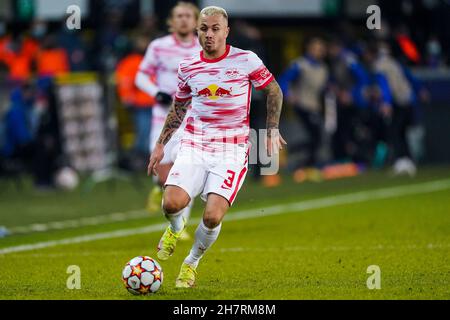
<point>163,98</point>
<point>275,142</point>
<point>155,158</point>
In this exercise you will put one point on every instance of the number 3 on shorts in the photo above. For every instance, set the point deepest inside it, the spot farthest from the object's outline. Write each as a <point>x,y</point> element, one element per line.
<point>228,183</point>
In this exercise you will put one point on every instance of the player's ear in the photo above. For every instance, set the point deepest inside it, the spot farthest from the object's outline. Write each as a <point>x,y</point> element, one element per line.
<point>228,31</point>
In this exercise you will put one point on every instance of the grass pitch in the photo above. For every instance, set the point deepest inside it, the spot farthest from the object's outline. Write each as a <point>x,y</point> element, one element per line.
<point>319,248</point>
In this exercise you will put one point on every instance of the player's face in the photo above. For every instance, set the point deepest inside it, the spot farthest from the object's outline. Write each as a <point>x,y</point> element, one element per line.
<point>183,20</point>
<point>213,32</point>
<point>317,49</point>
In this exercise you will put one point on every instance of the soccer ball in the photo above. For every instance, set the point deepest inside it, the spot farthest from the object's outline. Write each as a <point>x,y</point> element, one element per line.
<point>142,275</point>
<point>66,179</point>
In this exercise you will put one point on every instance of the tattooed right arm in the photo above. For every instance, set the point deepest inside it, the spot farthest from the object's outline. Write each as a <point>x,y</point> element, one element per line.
<point>174,119</point>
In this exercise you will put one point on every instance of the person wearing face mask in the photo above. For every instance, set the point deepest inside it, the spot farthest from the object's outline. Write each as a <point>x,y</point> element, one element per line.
<point>434,53</point>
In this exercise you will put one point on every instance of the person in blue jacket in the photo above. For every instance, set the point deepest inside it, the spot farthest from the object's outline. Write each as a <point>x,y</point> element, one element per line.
<point>363,103</point>
<point>18,124</point>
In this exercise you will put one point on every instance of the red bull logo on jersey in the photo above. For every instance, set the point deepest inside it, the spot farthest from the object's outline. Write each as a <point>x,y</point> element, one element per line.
<point>214,92</point>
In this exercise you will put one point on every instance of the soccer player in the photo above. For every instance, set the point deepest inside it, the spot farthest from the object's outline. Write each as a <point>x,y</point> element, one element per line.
<point>161,62</point>
<point>213,157</point>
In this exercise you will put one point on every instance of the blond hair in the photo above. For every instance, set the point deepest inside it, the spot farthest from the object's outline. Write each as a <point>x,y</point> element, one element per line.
<point>213,10</point>
<point>185,4</point>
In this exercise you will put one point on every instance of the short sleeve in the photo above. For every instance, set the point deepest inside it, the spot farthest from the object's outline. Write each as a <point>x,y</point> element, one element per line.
<point>258,74</point>
<point>149,63</point>
<point>183,89</point>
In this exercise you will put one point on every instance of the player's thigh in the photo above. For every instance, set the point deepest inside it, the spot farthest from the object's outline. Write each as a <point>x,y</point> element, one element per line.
<point>163,172</point>
<point>225,180</point>
<point>215,210</point>
<point>187,175</point>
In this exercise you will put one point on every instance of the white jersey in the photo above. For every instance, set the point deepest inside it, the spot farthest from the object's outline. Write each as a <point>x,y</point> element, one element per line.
<point>161,62</point>
<point>221,92</point>
<point>162,59</point>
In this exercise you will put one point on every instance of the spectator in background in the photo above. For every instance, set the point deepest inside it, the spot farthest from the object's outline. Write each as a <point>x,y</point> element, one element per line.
<point>51,60</point>
<point>374,100</point>
<point>111,43</point>
<point>136,101</point>
<point>75,47</point>
<point>348,82</point>
<point>406,93</point>
<point>303,84</point>
<point>18,126</point>
<point>434,56</point>
<point>17,53</point>
<point>148,28</point>
<point>362,97</point>
<point>47,147</point>
<point>32,140</point>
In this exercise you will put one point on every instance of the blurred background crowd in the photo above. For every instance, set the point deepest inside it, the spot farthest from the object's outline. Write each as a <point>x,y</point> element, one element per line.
<point>355,98</point>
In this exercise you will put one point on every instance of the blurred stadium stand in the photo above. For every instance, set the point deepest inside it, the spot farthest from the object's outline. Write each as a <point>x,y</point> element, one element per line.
<point>419,31</point>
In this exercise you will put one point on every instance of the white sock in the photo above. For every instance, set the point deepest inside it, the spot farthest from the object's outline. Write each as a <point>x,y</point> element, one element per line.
<point>176,221</point>
<point>186,212</point>
<point>204,239</point>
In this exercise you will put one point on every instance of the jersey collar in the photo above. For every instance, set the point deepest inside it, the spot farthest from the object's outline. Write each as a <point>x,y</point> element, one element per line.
<point>184,45</point>
<point>227,51</point>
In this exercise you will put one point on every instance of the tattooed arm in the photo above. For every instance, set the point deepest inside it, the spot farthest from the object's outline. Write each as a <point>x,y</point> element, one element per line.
<point>174,119</point>
<point>274,94</point>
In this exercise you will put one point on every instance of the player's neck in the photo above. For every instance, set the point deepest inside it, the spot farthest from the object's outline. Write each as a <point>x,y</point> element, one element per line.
<point>215,54</point>
<point>184,38</point>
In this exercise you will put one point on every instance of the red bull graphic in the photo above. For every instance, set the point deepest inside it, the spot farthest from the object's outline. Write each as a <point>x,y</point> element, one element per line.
<point>214,92</point>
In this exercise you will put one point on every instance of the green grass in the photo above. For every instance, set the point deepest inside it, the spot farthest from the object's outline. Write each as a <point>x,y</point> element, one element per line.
<point>315,254</point>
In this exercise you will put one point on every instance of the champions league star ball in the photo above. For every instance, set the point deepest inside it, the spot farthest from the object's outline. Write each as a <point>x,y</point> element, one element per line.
<point>142,275</point>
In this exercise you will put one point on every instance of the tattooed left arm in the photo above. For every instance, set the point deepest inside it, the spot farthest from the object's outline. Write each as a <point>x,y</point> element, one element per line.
<point>274,104</point>
<point>274,95</point>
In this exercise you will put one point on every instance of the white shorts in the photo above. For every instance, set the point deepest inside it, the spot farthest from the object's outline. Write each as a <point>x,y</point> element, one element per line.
<point>172,147</point>
<point>199,173</point>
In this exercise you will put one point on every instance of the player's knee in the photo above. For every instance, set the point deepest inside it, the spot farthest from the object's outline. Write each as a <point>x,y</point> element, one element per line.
<point>174,201</point>
<point>172,206</point>
<point>211,220</point>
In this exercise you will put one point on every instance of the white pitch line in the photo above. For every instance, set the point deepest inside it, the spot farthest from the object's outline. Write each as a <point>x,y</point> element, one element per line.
<point>385,193</point>
<point>380,247</point>
<point>81,222</point>
<point>414,247</point>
